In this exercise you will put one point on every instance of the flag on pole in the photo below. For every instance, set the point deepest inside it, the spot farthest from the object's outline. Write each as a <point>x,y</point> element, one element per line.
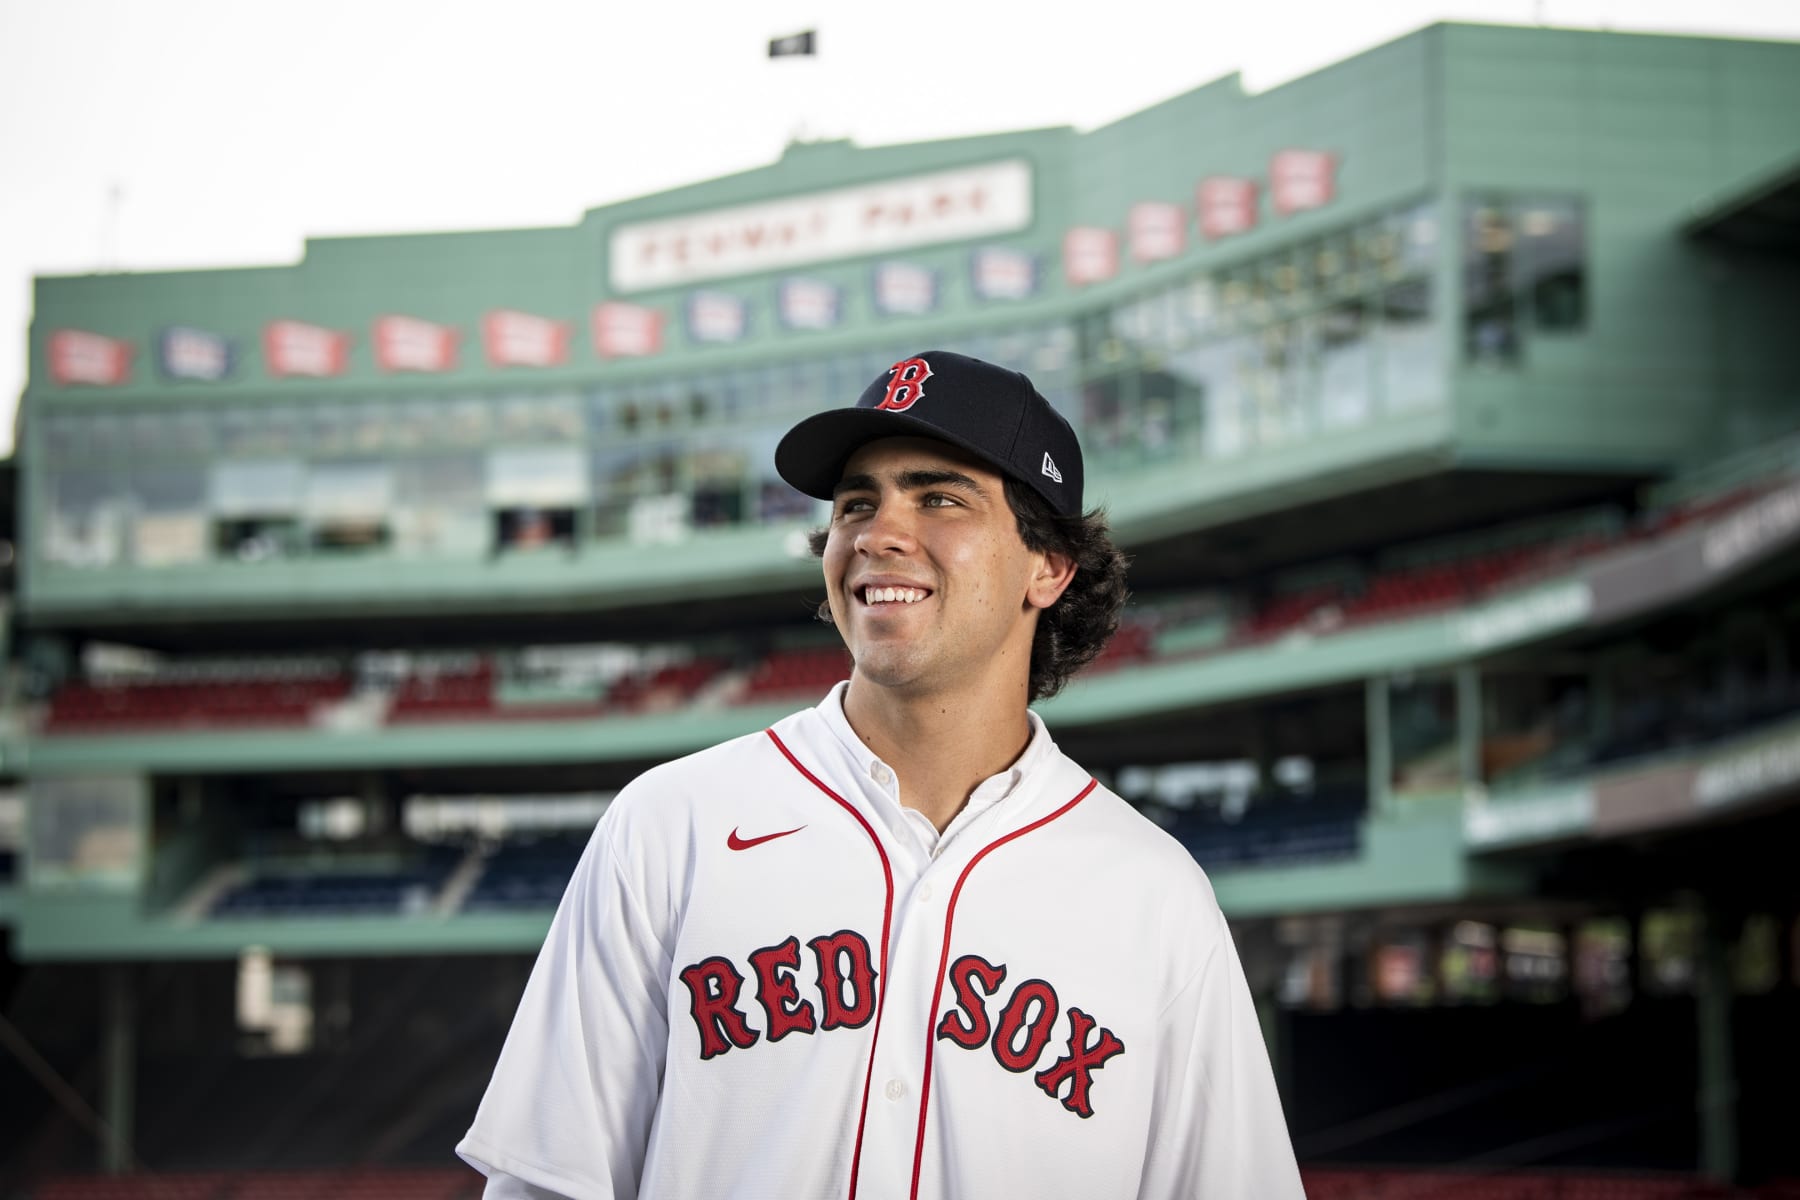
<point>795,45</point>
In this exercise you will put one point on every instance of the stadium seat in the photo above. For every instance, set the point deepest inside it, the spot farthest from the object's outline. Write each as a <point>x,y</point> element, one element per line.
<point>809,671</point>
<point>525,875</point>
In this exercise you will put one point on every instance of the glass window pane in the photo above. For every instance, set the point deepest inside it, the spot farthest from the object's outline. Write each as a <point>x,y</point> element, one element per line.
<point>330,429</point>
<point>1196,310</point>
<point>109,436</point>
<point>1490,308</point>
<point>1169,411</point>
<point>66,438</point>
<point>256,487</point>
<point>84,525</point>
<point>1552,255</point>
<point>1412,370</point>
<point>468,421</point>
<point>372,427</point>
<point>1346,382</point>
<point>536,476</point>
<point>1416,232</point>
<point>1105,421</point>
<point>147,440</point>
<point>169,522</point>
<point>440,508</point>
<point>518,419</point>
<point>561,416</point>
<point>191,432</point>
<point>718,472</point>
<point>1217,370</point>
<point>349,489</point>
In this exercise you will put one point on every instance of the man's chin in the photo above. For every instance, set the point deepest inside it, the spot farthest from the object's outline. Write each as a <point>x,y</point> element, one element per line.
<point>889,672</point>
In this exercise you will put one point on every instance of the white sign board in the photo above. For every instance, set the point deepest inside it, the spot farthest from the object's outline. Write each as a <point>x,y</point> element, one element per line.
<point>919,210</point>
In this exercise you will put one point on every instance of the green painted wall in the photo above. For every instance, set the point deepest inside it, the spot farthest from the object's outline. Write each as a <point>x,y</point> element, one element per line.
<point>1684,356</point>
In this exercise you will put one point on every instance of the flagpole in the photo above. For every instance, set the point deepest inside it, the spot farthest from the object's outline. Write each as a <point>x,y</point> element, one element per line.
<point>797,47</point>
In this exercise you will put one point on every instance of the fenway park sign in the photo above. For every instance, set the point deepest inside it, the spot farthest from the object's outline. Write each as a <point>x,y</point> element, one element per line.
<point>918,210</point>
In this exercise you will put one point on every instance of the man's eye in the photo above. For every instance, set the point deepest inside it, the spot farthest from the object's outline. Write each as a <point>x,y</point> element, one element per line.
<point>851,506</point>
<point>939,500</point>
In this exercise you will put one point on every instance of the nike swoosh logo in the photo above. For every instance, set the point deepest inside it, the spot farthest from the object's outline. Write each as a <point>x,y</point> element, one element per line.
<point>738,843</point>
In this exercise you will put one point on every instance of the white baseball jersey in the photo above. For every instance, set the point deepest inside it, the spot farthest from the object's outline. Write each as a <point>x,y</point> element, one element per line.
<point>768,979</point>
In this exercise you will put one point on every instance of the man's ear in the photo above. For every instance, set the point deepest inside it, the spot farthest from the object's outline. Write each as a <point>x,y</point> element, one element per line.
<point>1055,571</point>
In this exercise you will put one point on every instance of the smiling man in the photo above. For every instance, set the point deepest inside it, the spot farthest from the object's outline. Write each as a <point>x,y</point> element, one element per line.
<point>899,945</point>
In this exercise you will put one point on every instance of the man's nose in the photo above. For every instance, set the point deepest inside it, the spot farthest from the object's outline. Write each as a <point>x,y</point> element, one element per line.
<point>889,530</point>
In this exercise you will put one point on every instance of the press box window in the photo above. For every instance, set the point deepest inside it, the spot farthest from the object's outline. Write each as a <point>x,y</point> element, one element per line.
<point>534,494</point>
<point>348,505</point>
<point>255,507</point>
<point>1524,273</point>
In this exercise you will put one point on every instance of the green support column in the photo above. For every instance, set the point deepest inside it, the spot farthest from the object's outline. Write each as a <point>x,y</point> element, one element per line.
<point>1468,725</point>
<point>1380,745</point>
<point>1718,1073</point>
<point>119,1056</point>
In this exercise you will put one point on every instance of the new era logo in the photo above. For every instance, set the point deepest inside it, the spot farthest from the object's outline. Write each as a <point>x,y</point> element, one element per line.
<point>1050,467</point>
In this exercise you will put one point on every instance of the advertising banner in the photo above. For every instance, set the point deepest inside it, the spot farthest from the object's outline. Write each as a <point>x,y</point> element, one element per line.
<point>1227,206</point>
<point>511,338</point>
<point>1301,179</point>
<point>1157,231</point>
<point>77,356</point>
<point>1090,255</point>
<point>1688,560</point>
<point>627,330</point>
<point>296,349</point>
<point>1002,274</point>
<point>411,344</point>
<point>715,317</point>
<point>905,290</point>
<point>183,352</point>
<point>809,304</point>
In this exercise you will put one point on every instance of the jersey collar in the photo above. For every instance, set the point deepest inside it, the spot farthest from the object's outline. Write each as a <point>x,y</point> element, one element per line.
<point>1038,752</point>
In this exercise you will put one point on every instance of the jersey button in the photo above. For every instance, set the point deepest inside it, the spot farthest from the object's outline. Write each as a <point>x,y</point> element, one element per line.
<point>924,892</point>
<point>895,1090</point>
<point>882,775</point>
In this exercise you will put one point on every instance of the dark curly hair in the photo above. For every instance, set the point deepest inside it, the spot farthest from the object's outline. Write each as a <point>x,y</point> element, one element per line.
<point>1072,632</point>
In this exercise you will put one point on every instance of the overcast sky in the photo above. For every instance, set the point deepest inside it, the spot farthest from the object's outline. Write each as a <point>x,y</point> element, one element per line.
<point>227,131</point>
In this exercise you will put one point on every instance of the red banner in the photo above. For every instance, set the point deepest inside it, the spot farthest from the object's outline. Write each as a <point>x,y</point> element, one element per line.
<point>410,344</point>
<point>1090,255</point>
<point>1227,206</point>
<point>1157,230</point>
<point>77,356</point>
<point>294,348</point>
<point>519,339</point>
<point>1302,179</point>
<point>627,330</point>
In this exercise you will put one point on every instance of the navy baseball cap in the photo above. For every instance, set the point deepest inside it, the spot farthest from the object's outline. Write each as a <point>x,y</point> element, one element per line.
<point>991,412</point>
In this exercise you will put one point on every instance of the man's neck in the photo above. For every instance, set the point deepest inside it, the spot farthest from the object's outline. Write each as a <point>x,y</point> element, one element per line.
<point>940,747</point>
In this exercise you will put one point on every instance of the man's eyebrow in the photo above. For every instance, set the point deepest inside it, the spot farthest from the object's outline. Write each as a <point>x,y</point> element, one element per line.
<point>912,481</point>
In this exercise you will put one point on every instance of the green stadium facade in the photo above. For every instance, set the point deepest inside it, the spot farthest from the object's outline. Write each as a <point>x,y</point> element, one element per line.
<point>1446,398</point>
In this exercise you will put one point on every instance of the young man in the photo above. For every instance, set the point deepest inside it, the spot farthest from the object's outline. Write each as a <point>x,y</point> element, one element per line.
<point>898,945</point>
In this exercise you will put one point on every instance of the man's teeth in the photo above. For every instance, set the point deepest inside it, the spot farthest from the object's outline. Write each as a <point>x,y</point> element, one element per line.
<point>889,595</point>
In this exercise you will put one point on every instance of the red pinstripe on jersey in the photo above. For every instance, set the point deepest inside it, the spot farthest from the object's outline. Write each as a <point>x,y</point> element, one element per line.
<point>937,992</point>
<point>887,916</point>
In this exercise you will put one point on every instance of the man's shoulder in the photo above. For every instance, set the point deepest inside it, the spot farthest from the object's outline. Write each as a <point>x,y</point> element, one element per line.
<point>715,764</point>
<point>1118,833</point>
<point>732,764</point>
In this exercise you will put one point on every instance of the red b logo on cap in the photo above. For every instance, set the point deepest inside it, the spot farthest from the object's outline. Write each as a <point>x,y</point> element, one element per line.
<point>907,384</point>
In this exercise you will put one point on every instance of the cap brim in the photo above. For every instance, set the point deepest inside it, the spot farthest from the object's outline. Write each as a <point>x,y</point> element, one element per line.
<point>811,456</point>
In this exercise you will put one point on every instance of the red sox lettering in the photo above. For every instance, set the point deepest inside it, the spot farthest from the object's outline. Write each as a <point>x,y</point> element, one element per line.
<point>906,384</point>
<point>1017,1034</point>
<point>846,984</point>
